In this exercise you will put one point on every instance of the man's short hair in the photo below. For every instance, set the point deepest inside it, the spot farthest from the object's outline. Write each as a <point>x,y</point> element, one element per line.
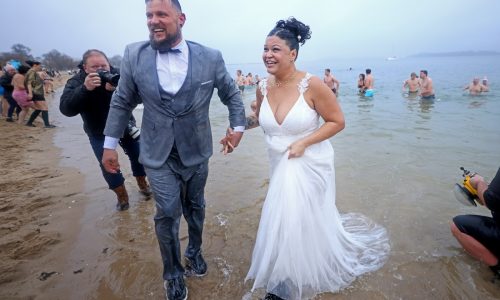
<point>368,71</point>
<point>92,52</point>
<point>328,70</point>
<point>424,71</point>
<point>175,4</point>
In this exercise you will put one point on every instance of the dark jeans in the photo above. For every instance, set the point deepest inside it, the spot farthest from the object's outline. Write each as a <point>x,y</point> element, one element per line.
<point>178,190</point>
<point>131,149</point>
<point>12,106</point>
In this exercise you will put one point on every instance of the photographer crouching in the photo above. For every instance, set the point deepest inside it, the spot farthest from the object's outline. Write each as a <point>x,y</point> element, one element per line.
<point>88,93</point>
<point>480,235</point>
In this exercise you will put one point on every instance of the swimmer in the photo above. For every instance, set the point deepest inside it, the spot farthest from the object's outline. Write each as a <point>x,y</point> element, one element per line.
<point>369,83</point>
<point>413,84</point>
<point>331,82</point>
<point>361,83</point>
<point>475,88</point>
<point>486,88</point>
<point>426,88</point>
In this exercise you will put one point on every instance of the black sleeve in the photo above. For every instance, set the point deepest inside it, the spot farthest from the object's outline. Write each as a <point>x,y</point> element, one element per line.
<point>5,82</point>
<point>492,194</point>
<point>73,97</point>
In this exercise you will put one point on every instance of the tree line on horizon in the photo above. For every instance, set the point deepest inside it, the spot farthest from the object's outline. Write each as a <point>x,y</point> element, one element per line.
<point>53,60</point>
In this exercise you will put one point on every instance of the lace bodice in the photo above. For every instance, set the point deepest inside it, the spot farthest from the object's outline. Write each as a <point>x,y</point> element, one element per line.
<point>300,120</point>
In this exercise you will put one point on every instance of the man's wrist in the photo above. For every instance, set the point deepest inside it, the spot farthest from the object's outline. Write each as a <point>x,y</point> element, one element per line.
<point>239,129</point>
<point>110,143</point>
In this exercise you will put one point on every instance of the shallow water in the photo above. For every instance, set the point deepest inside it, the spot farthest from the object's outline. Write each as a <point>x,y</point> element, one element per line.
<point>396,162</point>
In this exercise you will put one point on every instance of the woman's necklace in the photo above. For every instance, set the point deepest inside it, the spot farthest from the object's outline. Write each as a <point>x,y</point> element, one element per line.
<point>278,83</point>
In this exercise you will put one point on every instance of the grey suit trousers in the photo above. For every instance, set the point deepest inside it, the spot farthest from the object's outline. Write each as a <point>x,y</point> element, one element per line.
<point>178,190</point>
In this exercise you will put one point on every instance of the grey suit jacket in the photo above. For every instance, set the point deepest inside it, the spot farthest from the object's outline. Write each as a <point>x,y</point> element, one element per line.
<point>190,129</point>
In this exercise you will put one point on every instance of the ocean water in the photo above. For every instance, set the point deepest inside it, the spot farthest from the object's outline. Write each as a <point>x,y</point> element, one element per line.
<point>396,161</point>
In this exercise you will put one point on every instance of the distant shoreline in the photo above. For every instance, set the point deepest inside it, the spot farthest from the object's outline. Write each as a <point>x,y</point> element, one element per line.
<point>456,53</point>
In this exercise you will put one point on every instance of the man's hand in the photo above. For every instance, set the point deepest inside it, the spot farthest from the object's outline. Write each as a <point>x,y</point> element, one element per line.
<point>110,161</point>
<point>478,182</point>
<point>230,141</point>
<point>92,81</point>
<point>109,87</point>
<point>475,180</point>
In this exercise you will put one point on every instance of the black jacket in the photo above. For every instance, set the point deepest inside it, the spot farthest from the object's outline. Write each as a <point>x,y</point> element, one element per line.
<point>6,83</point>
<point>492,197</point>
<point>93,106</point>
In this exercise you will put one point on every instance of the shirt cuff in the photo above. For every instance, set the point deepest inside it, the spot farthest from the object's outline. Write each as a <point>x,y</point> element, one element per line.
<point>239,129</point>
<point>110,143</point>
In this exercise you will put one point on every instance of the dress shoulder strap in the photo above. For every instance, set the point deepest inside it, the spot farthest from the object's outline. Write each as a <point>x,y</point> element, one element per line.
<point>304,83</point>
<point>263,86</point>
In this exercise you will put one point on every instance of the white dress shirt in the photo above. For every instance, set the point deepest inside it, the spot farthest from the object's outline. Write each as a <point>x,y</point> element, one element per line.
<point>172,68</point>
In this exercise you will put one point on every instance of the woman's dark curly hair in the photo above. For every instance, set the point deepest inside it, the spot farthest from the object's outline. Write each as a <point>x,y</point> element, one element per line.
<point>292,31</point>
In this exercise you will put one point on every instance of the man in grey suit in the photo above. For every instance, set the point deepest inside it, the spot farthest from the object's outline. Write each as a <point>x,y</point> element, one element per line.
<point>175,80</point>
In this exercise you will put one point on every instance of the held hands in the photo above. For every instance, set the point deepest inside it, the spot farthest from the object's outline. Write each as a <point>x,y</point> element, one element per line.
<point>230,141</point>
<point>110,161</point>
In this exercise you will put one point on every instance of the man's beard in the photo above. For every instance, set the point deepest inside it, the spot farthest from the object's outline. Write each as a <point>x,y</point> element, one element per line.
<point>165,44</point>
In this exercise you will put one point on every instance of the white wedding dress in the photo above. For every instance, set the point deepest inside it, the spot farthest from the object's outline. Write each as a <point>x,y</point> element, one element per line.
<point>303,245</point>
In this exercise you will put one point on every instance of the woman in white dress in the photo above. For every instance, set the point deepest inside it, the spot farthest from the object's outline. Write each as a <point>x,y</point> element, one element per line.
<point>303,245</point>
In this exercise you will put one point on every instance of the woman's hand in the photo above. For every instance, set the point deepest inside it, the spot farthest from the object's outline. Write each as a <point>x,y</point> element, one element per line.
<point>296,149</point>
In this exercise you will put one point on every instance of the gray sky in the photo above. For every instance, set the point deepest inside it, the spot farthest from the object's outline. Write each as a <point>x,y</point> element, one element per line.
<point>340,29</point>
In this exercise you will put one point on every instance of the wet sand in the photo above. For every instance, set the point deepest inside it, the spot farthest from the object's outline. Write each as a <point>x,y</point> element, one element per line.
<point>62,238</point>
<point>39,203</point>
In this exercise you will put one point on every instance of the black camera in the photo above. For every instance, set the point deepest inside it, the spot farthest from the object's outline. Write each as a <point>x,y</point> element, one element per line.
<point>107,76</point>
<point>133,131</point>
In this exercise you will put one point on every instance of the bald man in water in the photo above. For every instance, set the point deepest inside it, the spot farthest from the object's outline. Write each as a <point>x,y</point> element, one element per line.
<point>475,88</point>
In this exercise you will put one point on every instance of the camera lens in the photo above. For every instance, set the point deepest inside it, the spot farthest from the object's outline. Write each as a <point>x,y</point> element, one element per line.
<point>108,77</point>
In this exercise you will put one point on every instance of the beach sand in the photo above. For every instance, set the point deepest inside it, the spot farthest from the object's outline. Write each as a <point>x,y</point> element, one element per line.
<point>37,224</point>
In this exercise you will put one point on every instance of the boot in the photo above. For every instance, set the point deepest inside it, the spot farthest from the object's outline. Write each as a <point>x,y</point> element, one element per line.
<point>45,117</point>
<point>143,186</point>
<point>122,197</point>
<point>33,117</point>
